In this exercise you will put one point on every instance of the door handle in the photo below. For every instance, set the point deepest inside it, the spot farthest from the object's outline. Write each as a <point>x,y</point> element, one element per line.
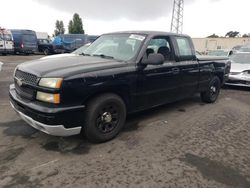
<point>175,70</point>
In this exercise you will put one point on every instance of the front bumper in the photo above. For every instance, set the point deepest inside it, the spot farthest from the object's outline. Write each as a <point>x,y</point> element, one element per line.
<point>55,121</point>
<point>238,80</point>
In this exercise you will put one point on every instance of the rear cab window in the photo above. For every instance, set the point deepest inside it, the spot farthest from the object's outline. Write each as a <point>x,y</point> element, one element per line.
<point>184,48</point>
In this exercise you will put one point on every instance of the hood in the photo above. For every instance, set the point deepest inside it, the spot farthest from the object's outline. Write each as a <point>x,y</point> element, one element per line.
<point>68,66</point>
<point>59,55</point>
<point>238,67</point>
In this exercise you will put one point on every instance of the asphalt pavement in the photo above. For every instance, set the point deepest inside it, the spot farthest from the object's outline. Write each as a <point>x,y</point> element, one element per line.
<point>184,144</point>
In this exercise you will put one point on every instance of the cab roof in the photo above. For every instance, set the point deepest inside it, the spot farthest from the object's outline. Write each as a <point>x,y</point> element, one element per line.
<point>149,33</point>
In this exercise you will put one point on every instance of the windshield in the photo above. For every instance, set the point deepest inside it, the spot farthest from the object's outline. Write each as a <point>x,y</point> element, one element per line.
<point>118,46</point>
<point>241,58</point>
<point>8,37</point>
<point>81,50</point>
<point>244,49</point>
<point>218,53</point>
<point>44,41</point>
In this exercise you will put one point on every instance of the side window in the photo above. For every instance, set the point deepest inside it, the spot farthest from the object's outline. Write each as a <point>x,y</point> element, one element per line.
<point>159,45</point>
<point>184,48</point>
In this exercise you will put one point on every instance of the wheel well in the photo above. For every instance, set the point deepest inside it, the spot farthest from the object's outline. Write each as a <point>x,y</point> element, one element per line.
<point>220,76</point>
<point>119,92</point>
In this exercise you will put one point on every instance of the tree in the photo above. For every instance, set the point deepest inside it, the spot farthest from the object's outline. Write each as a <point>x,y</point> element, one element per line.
<point>213,36</point>
<point>59,28</point>
<point>232,34</point>
<point>75,26</point>
<point>246,35</point>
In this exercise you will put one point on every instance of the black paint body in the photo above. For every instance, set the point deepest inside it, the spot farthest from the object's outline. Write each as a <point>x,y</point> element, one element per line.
<point>141,87</point>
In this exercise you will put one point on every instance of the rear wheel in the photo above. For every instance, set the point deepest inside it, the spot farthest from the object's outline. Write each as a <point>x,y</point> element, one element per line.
<point>105,117</point>
<point>212,92</point>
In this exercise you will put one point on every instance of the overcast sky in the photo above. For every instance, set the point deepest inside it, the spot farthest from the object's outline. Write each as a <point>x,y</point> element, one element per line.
<point>201,17</point>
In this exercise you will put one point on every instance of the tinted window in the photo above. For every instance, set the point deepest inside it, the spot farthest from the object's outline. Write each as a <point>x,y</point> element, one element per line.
<point>29,38</point>
<point>184,47</point>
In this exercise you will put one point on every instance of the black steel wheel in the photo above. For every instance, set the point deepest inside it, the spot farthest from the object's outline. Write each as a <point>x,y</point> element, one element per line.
<point>213,91</point>
<point>104,118</point>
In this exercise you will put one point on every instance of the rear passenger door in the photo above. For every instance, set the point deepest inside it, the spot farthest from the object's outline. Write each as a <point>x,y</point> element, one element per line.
<point>188,65</point>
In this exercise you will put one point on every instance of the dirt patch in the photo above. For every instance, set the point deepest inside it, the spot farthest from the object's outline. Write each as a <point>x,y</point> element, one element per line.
<point>68,145</point>
<point>216,171</point>
<point>18,128</point>
<point>10,155</point>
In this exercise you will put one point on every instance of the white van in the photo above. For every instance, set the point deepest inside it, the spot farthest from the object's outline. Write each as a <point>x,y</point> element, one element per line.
<point>6,42</point>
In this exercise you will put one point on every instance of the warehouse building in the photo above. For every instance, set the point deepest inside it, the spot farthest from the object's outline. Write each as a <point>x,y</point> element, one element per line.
<point>207,44</point>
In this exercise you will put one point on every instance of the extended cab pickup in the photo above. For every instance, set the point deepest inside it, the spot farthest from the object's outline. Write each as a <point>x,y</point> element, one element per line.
<point>118,74</point>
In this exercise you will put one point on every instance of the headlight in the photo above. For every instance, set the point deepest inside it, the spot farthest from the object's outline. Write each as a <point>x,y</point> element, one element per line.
<point>48,97</point>
<point>54,83</point>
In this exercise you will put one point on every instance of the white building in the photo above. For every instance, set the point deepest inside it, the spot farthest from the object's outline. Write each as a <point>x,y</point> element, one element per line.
<point>206,44</point>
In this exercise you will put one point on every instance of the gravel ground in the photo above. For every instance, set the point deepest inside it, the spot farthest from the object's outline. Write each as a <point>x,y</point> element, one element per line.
<point>185,144</point>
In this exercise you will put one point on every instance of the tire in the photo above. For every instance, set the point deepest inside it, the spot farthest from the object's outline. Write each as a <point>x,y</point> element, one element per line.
<point>213,91</point>
<point>105,116</point>
<point>46,51</point>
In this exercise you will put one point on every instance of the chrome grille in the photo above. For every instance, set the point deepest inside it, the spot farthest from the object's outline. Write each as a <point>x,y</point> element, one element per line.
<point>26,89</point>
<point>26,77</point>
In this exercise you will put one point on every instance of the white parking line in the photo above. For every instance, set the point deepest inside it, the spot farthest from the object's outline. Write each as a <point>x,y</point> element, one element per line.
<point>45,164</point>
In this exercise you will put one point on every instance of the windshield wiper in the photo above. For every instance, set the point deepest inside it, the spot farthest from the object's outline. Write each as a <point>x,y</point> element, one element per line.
<point>83,54</point>
<point>103,56</point>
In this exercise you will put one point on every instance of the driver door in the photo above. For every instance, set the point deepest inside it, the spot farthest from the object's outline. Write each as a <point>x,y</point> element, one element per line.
<point>159,84</point>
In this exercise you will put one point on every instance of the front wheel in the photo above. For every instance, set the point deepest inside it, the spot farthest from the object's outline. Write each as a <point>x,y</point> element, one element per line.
<point>104,118</point>
<point>46,51</point>
<point>212,92</point>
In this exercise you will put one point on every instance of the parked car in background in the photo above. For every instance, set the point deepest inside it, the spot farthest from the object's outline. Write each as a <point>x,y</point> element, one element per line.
<point>6,42</point>
<point>72,42</point>
<point>46,47</point>
<point>221,52</point>
<point>236,48</point>
<point>240,70</point>
<point>25,41</point>
<point>245,48</point>
<point>197,53</point>
<point>118,74</point>
<point>79,51</point>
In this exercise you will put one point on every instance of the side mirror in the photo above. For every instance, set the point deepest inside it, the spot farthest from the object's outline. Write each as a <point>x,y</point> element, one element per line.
<point>154,59</point>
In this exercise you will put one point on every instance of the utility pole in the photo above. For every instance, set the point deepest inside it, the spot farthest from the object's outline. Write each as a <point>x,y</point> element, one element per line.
<point>177,16</point>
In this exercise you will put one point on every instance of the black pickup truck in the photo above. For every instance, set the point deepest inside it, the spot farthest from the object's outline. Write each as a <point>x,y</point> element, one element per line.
<point>118,74</point>
<point>46,47</point>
